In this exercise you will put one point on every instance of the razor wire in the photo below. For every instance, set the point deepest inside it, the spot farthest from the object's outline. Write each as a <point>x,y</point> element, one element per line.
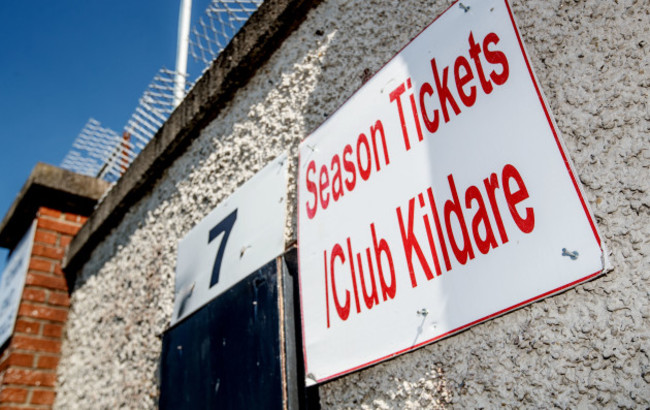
<point>219,23</point>
<point>153,109</point>
<point>91,149</point>
<point>103,153</point>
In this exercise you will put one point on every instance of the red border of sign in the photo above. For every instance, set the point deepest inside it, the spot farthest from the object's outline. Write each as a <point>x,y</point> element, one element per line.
<point>503,311</point>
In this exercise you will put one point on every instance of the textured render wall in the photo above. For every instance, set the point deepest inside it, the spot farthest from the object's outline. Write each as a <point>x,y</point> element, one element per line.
<point>587,346</point>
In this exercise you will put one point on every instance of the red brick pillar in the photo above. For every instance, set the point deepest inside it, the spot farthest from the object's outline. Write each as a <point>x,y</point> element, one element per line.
<point>28,364</point>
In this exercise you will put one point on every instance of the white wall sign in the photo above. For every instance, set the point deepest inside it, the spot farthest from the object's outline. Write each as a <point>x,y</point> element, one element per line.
<point>437,197</point>
<point>12,283</point>
<point>242,234</point>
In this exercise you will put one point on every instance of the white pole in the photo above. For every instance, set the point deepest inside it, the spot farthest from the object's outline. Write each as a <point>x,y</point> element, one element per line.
<point>181,50</point>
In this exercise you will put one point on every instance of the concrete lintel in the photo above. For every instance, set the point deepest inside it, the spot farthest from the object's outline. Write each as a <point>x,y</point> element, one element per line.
<point>262,34</point>
<point>52,187</point>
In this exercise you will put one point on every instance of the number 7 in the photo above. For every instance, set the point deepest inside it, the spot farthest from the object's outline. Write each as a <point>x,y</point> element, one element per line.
<point>224,226</point>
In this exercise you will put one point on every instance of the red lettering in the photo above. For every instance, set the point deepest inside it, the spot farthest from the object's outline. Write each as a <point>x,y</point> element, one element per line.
<point>371,299</point>
<point>491,185</point>
<point>414,109</point>
<point>379,128</point>
<point>351,181</point>
<point>462,80</point>
<point>364,172</point>
<point>343,311</point>
<point>337,179</point>
<point>410,243</point>
<point>382,247</point>
<point>396,95</point>
<point>322,184</point>
<point>456,225</point>
<point>481,217</point>
<point>475,54</point>
<point>527,224</point>
<point>311,187</point>
<point>432,125</point>
<point>354,280</point>
<point>444,95</point>
<point>496,57</point>
<point>366,152</point>
<point>453,206</point>
<point>432,247</point>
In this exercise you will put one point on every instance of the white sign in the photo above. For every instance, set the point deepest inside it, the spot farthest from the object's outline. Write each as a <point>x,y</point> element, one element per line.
<point>239,236</point>
<point>437,197</point>
<point>12,283</point>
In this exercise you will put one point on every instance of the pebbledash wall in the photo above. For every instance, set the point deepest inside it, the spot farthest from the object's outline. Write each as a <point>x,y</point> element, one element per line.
<point>291,66</point>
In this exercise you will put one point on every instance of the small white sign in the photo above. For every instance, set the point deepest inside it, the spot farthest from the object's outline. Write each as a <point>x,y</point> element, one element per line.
<point>12,283</point>
<point>439,196</point>
<point>239,236</point>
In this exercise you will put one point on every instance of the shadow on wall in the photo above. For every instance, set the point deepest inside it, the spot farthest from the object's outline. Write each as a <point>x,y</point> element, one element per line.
<point>347,62</point>
<point>123,297</point>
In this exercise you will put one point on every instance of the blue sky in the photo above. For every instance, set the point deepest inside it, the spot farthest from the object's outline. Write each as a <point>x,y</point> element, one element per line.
<point>65,61</point>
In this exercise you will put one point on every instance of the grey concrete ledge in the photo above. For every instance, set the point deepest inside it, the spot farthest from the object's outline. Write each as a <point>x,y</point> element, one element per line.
<point>262,34</point>
<point>52,187</point>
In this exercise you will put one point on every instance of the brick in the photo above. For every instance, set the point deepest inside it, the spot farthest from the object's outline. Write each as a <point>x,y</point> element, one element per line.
<point>43,211</point>
<point>4,363</point>
<point>51,330</point>
<point>30,377</point>
<point>47,362</point>
<point>43,312</point>
<point>21,360</point>
<point>57,269</point>
<point>45,281</point>
<point>67,228</point>
<point>35,344</point>
<point>65,240</point>
<point>45,237</point>
<point>13,395</point>
<point>73,218</point>
<point>34,295</point>
<point>59,299</point>
<point>43,397</point>
<point>47,252</point>
<point>25,326</point>
<point>40,265</point>
<point>16,408</point>
<point>83,219</point>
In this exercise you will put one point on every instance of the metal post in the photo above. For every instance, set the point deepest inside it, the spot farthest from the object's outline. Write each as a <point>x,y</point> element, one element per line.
<point>184,17</point>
